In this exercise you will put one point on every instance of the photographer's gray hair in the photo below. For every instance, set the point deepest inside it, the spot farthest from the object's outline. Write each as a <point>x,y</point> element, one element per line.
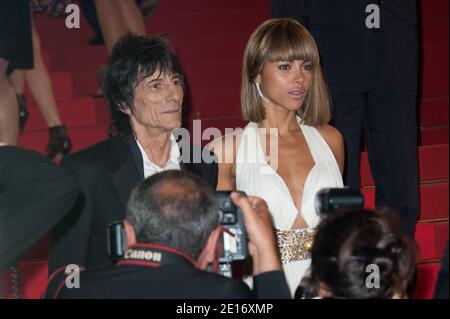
<point>174,208</point>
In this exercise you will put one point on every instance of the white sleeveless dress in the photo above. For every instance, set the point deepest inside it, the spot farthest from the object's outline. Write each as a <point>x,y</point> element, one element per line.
<point>256,177</point>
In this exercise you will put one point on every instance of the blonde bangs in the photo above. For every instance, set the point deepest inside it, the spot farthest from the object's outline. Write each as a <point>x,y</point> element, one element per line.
<point>289,41</point>
<point>283,40</point>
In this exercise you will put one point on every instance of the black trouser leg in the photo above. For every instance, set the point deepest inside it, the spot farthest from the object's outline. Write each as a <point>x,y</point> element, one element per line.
<point>391,136</point>
<point>88,8</point>
<point>347,118</point>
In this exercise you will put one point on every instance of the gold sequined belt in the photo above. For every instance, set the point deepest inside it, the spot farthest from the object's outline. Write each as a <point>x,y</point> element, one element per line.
<point>295,244</point>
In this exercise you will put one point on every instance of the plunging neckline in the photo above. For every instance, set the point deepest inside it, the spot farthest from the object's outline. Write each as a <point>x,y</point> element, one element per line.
<point>283,182</point>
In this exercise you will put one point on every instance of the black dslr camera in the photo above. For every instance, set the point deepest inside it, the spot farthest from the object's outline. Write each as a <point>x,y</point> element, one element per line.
<point>329,200</point>
<point>234,240</point>
<point>234,246</point>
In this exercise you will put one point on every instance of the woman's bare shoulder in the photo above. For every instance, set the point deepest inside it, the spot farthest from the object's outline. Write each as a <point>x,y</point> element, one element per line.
<point>331,134</point>
<point>335,141</point>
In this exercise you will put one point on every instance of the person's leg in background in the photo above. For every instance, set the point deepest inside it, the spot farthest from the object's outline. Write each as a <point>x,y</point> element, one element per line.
<point>147,7</point>
<point>132,17</point>
<point>17,80</point>
<point>117,17</point>
<point>89,11</point>
<point>41,89</point>
<point>391,137</point>
<point>347,110</point>
<point>111,22</point>
<point>9,115</point>
<point>40,85</point>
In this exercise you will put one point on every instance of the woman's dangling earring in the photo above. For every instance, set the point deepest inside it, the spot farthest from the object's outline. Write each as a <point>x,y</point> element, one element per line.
<point>258,88</point>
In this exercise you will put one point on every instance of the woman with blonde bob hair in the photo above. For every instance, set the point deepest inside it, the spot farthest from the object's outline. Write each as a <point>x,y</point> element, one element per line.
<point>283,40</point>
<point>287,152</point>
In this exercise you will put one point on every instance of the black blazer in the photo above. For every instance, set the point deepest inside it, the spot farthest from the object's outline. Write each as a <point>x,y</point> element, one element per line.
<point>106,173</point>
<point>35,194</point>
<point>351,53</point>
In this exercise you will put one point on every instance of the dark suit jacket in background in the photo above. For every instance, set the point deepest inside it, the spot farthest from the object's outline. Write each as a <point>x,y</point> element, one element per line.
<point>35,194</point>
<point>373,77</point>
<point>350,52</point>
<point>106,173</point>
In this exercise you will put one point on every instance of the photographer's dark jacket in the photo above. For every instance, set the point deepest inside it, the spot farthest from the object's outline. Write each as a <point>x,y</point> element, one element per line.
<point>162,272</point>
<point>106,173</point>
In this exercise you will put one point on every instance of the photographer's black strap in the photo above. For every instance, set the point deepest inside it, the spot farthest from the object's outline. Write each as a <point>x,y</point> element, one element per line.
<point>151,255</point>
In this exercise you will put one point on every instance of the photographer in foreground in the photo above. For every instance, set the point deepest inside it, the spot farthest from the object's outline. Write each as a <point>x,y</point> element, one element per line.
<point>172,230</point>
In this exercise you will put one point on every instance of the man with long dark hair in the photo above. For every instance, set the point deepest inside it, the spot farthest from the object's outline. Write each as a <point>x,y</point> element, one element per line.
<point>144,86</point>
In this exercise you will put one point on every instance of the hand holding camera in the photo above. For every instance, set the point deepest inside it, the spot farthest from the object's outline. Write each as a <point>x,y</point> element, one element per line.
<point>258,224</point>
<point>247,229</point>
